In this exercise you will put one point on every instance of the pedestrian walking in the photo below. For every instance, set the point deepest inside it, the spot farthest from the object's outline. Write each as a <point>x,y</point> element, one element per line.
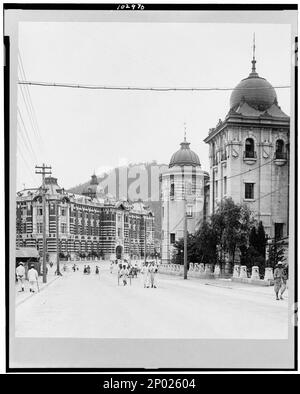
<point>153,269</point>
<point>84,269</point>
<point>97,270</point>
<point>32,278</point>
<point>111,267</point>
<point>124,274</point>
<point>145,272</point>
<point>284,280</point>
<point>20,272</point>
<point>279,281</point>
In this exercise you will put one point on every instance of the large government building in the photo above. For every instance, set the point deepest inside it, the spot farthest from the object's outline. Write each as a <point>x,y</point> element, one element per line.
<point>249,154</point>
<point>83,225</point>
<point>183,189</point>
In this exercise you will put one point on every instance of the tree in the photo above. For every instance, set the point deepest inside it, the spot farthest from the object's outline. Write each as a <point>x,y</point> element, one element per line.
<point>206,241</point>
<point>261,240</point>
<point>276,253</point>
<point>232,224</point>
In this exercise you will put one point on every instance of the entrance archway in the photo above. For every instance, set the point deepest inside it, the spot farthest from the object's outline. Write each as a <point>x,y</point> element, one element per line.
<point>119,250</point>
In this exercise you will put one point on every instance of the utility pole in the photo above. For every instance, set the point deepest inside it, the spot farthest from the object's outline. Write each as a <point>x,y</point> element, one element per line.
<point>57,238</point>
<point>185,241</point>
<point>44,170</point>
<point>145,240</point>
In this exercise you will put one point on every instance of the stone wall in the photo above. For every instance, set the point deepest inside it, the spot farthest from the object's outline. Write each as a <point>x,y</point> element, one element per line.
<point>208,271</point>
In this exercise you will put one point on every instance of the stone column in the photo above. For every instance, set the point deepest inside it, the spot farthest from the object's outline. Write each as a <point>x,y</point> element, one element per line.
<point>269,274</point>
<point>236,271</point>
<point>255,273</point>
<point>243,272</point>
<point>217,270</point>
<point>208,269</point>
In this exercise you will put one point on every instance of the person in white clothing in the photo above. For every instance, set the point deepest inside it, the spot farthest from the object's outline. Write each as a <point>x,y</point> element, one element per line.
<point>32,278</point>
<point>153,272</point>
<point>111,267</point>
<point>20,272</point>
<point>145,272</point>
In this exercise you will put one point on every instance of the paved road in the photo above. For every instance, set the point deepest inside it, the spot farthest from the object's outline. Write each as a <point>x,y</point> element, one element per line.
<point>88,306</point>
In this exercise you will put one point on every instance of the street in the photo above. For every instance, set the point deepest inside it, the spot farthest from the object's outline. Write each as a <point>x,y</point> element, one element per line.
<point>92,306</point>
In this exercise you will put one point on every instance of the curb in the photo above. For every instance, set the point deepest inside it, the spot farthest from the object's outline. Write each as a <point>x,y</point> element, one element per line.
<point>32,295</point>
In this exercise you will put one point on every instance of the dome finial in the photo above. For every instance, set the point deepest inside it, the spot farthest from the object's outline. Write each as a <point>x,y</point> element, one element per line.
<point>253,72</point>
<point>184,131</point>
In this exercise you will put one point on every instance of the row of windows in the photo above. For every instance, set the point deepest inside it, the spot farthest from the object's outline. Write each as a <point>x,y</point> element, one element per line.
<point>250,150</point>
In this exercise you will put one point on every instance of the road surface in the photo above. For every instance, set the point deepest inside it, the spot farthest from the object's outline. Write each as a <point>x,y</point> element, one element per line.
<point>88,306</point>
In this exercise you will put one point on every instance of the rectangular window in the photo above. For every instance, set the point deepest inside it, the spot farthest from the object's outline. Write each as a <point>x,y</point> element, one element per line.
<point>278,230</point>
<point>225,185</point>
<point>249,191</point>
<point>63,212</point>
<point>216,189</point>
<point>172,238</point>
<point>172,190</point>
<point>39,228</point>
<point>189,211</point>
<point>40,211</point>
<point>119,232</point>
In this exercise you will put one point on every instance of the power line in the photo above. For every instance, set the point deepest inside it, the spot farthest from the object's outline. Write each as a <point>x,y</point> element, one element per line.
<point>27,135</point>
<point>137,88</point>
<point>244,172</point>
<point>19,152</point>
<point>31,111</point>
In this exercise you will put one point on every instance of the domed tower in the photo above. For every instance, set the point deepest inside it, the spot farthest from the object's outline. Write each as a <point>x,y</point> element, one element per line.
<point>249,153</point>
<point>182,192</point>
<point>91,189</point>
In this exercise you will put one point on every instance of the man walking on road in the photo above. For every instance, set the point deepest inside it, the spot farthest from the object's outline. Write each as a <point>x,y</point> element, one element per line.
<point>20,271</point>
<point>124,274</point>
<point>152,275</point>
<point>32,278</point>
<point>145,272</point>
<point>279,280</point>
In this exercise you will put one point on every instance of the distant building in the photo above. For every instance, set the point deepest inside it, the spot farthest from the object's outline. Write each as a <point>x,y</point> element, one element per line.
<point>182,187</point>
<point>87,225</point>
<point>249,154</point>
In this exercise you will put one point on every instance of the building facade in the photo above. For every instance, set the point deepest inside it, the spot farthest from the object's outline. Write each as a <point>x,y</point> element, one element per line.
<point>182,192</point>
<point>249,154</point>
<point>83,225</point>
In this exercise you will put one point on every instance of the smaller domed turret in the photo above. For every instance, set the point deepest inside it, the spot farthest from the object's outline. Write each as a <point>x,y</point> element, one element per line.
<point>184,156</point>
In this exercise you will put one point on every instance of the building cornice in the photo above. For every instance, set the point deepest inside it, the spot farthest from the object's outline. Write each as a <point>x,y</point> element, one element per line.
<point>238,120</point>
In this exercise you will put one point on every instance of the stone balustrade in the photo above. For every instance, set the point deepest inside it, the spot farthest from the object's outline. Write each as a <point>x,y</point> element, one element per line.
<point>205,271</point>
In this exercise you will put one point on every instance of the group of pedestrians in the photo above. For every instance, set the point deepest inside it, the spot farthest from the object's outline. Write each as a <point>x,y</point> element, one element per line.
<point>149,272</point>
<point>32,276</point>
<point>86,270</point>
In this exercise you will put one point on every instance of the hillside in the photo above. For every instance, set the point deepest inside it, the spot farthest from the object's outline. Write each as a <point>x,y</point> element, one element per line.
<point>155,206</point>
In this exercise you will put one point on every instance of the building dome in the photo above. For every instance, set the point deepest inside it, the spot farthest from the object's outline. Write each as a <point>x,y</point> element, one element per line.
<point>184,156</point>
<point>255,91</point>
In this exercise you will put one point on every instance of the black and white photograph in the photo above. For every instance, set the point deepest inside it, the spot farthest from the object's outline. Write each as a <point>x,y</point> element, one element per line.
<point>151,161</point>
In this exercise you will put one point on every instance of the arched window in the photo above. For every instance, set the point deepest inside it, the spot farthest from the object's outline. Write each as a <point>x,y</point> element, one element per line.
<point>249,148</point>
<point>279,150</point>
<point>279,146</point>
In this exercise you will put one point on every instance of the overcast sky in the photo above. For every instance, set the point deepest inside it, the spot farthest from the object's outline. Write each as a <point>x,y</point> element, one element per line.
<point>85,130</point>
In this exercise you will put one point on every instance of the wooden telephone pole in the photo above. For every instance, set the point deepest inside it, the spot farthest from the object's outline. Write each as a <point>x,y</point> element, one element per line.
<point>145,240</point>
<point>185,241</point>
<point>57,238</point>
<point>44,170</point>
